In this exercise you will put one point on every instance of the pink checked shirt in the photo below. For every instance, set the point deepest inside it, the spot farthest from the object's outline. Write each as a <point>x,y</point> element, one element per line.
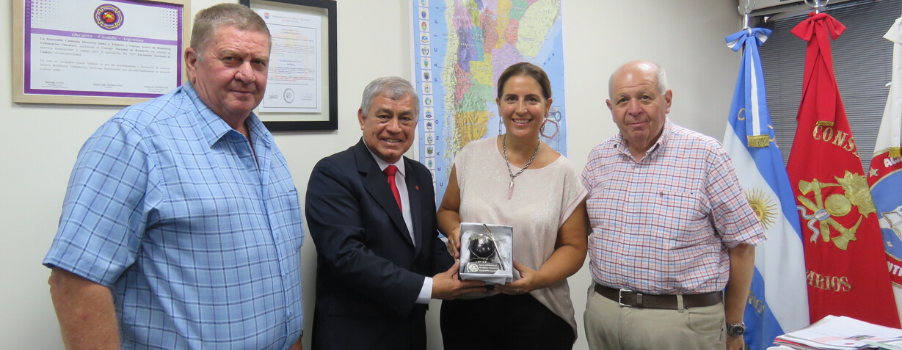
<point>663,225</point>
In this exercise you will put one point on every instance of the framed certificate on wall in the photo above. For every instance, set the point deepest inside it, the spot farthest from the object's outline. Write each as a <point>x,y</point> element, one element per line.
<point>301,88</point>
<point>110,52</point>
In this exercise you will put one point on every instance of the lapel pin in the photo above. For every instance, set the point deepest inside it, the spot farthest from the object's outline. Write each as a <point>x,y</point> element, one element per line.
<point>417,187</point>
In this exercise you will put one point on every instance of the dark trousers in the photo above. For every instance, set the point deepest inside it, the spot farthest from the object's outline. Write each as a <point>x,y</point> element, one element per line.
<point>503,322</point>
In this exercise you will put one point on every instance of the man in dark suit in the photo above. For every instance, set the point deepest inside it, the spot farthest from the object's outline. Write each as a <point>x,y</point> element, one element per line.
<point>371,214</point>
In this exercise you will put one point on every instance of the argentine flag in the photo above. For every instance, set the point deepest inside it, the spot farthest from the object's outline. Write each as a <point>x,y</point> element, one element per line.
<point>778,302</point>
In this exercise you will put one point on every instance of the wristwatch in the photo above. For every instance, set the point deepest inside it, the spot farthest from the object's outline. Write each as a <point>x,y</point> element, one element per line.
<point>736,330</point>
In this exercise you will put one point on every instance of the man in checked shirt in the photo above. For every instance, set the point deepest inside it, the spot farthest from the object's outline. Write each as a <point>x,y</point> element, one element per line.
<point>670,228</point>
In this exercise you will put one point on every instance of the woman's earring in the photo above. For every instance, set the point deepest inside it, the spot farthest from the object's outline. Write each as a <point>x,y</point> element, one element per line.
<point>556,128</point>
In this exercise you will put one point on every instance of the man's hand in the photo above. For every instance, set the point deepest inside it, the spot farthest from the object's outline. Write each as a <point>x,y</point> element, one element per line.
<point>447,285</point>
<point>735,343</point>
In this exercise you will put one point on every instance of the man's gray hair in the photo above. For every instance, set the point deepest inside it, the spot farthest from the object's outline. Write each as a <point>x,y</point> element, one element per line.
<point>391,87</point>
<point>208,20</point>
<point>659,71</point>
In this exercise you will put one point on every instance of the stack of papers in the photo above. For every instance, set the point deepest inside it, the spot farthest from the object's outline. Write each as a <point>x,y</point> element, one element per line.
<point>839,333</point>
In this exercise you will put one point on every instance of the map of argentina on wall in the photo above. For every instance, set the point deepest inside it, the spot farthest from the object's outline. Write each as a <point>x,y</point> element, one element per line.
<point>460,49</point>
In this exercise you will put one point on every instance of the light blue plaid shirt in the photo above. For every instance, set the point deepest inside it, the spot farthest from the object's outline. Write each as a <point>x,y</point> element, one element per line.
<point>200,243</point>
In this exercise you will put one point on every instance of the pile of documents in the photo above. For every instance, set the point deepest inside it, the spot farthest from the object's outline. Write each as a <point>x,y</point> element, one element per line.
<point>842,332</point>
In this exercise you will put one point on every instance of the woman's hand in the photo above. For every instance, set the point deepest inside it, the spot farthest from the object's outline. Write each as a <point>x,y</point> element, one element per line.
<point>454,242</point>
<point>530,280</point>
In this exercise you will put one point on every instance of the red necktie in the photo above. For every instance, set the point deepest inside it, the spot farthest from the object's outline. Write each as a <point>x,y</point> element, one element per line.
<point>390,172</point>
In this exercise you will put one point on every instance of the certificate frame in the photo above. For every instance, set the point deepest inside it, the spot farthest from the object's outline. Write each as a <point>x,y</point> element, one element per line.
<point>22,61</point>
<point>327,119</point>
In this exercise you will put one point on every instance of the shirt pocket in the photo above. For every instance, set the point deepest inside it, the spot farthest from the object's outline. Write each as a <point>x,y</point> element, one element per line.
<point>677,211</point>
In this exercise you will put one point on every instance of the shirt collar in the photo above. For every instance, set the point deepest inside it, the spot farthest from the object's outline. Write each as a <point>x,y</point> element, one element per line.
<point>214,128</point>
<point>383,164</point>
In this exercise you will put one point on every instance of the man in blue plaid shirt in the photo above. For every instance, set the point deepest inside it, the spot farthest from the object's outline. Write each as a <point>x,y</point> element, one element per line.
<point>181,226</point>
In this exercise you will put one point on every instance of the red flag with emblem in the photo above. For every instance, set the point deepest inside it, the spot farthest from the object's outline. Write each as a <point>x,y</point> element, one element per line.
<point>846,267</point>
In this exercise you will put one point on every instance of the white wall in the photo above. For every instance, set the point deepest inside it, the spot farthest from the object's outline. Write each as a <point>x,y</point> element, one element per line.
<point>41,143</point>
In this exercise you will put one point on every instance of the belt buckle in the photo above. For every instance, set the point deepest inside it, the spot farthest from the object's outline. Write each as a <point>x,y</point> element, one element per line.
<point>620,297</point>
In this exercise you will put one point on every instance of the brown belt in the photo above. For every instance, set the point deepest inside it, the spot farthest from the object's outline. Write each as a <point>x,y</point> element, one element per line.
<point>635,299</point>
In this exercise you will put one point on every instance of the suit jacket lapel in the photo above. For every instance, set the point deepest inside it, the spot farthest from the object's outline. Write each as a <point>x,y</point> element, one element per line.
<point>376,184</point>
<point>413,192</point>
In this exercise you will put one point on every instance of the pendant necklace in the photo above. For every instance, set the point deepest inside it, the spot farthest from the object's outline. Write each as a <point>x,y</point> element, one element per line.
<point>510,189</point>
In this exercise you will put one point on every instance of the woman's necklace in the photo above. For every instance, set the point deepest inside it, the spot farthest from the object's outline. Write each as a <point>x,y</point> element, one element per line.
<point>510,189</point>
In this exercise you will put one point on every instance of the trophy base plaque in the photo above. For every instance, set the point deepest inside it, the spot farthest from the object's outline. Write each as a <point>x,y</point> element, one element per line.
<point>482,267</point>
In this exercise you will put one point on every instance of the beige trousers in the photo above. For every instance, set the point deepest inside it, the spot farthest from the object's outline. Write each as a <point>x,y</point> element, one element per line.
<point>611,327</point>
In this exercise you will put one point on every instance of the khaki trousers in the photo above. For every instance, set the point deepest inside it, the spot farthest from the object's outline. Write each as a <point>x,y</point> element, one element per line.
<point>611,327</point>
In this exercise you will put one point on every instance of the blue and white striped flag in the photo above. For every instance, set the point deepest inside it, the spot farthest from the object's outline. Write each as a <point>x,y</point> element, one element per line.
<point>778,302</point>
